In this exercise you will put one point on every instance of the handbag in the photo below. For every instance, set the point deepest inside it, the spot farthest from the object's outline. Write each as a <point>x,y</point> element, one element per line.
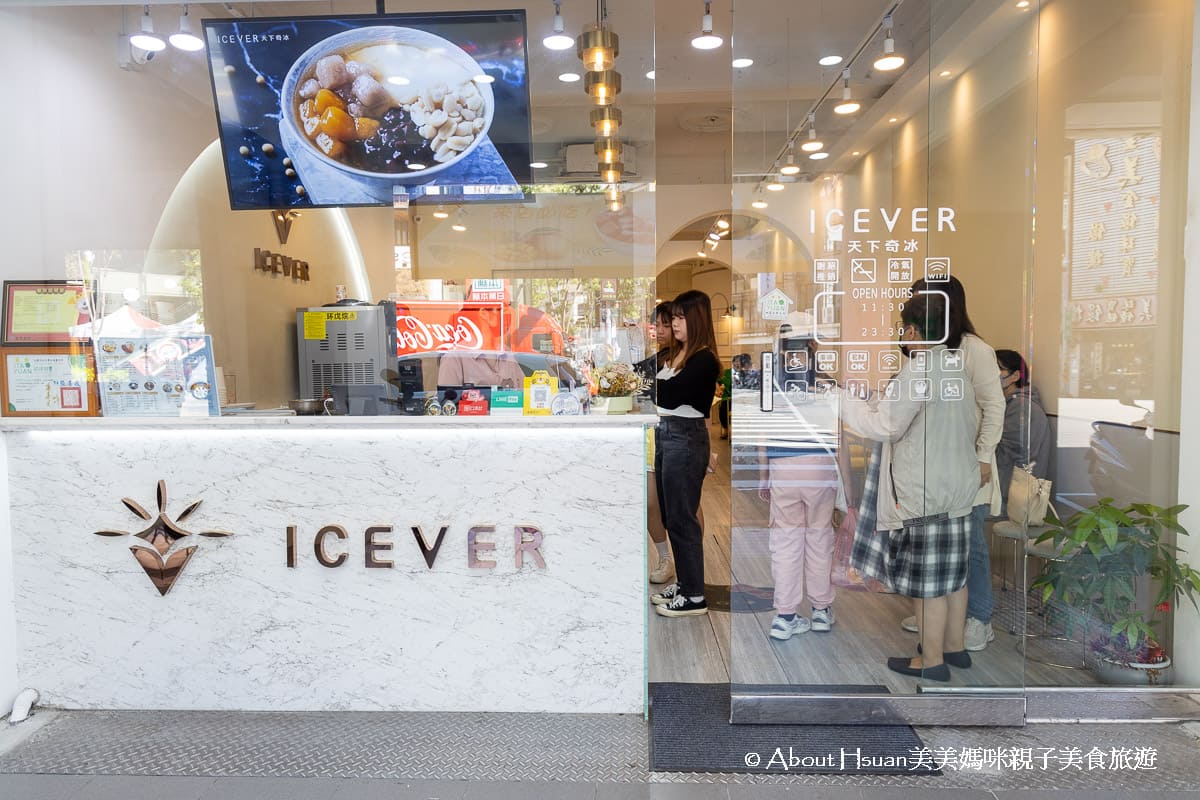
<point>1028,497</point>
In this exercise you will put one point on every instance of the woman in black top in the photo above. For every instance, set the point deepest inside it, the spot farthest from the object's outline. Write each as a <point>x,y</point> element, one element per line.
<point>685,387</point>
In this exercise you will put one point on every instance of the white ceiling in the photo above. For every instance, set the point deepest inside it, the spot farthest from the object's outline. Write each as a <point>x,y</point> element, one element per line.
<point>706,121</point>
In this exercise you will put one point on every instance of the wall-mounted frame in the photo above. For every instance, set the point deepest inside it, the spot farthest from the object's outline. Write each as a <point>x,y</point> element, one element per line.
<point>48,381</point>
<point>44,312</point>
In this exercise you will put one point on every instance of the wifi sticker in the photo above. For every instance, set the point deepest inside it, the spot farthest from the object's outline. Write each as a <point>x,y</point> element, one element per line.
<point>889,361</point>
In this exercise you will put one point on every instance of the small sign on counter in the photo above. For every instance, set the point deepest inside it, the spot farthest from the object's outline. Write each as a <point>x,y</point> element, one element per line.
<point>166,376</point>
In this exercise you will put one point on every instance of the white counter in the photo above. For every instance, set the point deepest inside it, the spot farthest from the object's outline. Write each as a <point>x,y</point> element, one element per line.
<point>242,627</point>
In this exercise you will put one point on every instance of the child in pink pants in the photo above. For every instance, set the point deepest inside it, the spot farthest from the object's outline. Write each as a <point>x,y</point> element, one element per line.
<point>803,492</point>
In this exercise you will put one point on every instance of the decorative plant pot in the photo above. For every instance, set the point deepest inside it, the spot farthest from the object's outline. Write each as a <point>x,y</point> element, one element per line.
<point>1115,673</point>
<point>613,405</point>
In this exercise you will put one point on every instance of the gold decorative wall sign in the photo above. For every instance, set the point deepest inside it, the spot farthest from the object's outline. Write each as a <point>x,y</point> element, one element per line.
<point>276,263</point>
<point>164,548</point>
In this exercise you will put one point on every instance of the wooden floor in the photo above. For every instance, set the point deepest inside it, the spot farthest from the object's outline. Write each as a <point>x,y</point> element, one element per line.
<point>723,646</point>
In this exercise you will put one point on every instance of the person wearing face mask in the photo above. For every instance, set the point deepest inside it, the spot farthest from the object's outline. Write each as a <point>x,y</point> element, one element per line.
<point>929,474</point>
<point>1026,436</point>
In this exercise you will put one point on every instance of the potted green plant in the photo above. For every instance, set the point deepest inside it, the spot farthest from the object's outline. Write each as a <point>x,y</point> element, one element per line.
<point>1106,551</point>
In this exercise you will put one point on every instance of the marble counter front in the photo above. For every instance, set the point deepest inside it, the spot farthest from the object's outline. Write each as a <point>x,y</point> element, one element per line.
<point>540,609</point>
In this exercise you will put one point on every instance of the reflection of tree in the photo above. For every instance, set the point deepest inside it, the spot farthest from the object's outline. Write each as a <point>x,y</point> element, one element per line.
<point>192,283</point>
<point>559,297</point>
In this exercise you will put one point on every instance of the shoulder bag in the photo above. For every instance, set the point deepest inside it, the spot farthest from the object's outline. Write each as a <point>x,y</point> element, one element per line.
<point>1028,497</point>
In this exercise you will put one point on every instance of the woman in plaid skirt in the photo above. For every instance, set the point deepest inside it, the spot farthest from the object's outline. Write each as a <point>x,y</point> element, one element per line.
<point>928,477</point>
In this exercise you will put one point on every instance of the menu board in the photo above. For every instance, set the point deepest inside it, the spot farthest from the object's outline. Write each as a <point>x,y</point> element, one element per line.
<point>166,376</point>
<point>48,381</point>
<point>43,312</point>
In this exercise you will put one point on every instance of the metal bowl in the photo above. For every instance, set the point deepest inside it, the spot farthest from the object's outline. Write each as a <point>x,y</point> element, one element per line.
<point>306,406</point>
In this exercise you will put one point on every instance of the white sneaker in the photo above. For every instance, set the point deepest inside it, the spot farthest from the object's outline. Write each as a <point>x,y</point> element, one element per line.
<point>822,619</point>
<point>977,634</point>
<point>664,572</point>
<point>910,624</point>
<point>783,629</point>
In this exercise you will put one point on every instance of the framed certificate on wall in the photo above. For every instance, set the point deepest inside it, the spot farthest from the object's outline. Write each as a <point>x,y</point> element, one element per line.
<point>42,381</point>
<point>45,312</point>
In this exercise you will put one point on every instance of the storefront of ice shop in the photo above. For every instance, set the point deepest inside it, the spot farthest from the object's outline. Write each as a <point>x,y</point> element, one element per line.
<point>319,322</point>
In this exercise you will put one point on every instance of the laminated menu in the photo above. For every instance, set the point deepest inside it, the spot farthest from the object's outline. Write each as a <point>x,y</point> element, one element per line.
<point>166,376</point>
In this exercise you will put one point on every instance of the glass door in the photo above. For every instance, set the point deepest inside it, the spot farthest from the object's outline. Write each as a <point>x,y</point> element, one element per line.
<point>884,181</point>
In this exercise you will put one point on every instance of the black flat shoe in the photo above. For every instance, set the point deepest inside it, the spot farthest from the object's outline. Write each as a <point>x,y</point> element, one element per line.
<point>960,659</point>
<point>901,664</point>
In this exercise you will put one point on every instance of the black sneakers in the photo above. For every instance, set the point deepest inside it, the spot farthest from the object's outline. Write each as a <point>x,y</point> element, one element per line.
<point>681,606</point>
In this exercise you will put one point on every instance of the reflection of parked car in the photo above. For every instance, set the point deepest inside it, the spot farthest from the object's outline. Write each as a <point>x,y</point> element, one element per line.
<point>419,371</point>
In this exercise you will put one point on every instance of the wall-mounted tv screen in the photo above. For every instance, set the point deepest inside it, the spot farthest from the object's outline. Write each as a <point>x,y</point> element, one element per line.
<point>354,110</point>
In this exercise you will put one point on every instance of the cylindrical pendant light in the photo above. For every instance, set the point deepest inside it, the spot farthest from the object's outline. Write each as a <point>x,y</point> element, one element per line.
<point>147,40</point>
<point>611,173</point>
<point>608,151</point>
<point>890,59</point>
<point>848,104</point>
<point>813,144</point>
<point>606,121</point>
<point>558,40</point>
<point>598,48</point>
<point>603,87</point>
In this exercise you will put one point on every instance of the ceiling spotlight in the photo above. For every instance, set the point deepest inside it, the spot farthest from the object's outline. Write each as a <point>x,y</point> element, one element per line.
<point>813,144</point>
<point>856,153</point>
<point>650,74</point>
<point>538,164</point>
<point>848,105</point>
<point>568,77</point>
<point>558,40</point>
<point>458,227</point>
<point>723,224</point>
<point>441,213</point>
<point>819,155</point>
<point>790,167</point>
<point>893,119</point>
<point>774,186</point>
<point>146,40</point>
<point>598,48</point>
<point>890,60</point>
<point>742,63</point>
<point>702,254</point>
<point>603,87</point>
<point>829,61</point>
<point>759,204</point>
<point>1023,4</point>
<point>185,39</point>
<point>707,40</point>
<point>945,73</point>
<point>714,236</point>
<point>606,121</point>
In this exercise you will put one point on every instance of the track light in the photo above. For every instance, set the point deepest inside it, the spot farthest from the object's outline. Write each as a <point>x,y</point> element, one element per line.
<point>606,121</point>
<point>146,40</point>
<point>723,224</point>
<point>813,144</point>
<point>707,40</point>
<point>774,186</point>
<point>441,213</point>
<point>890,60</point>
<point>558,40</point>
<point>759,204</point>
<point>848,104</point>
<point>819,156</point>
<point>185,39</point>
<point>790,167</point>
